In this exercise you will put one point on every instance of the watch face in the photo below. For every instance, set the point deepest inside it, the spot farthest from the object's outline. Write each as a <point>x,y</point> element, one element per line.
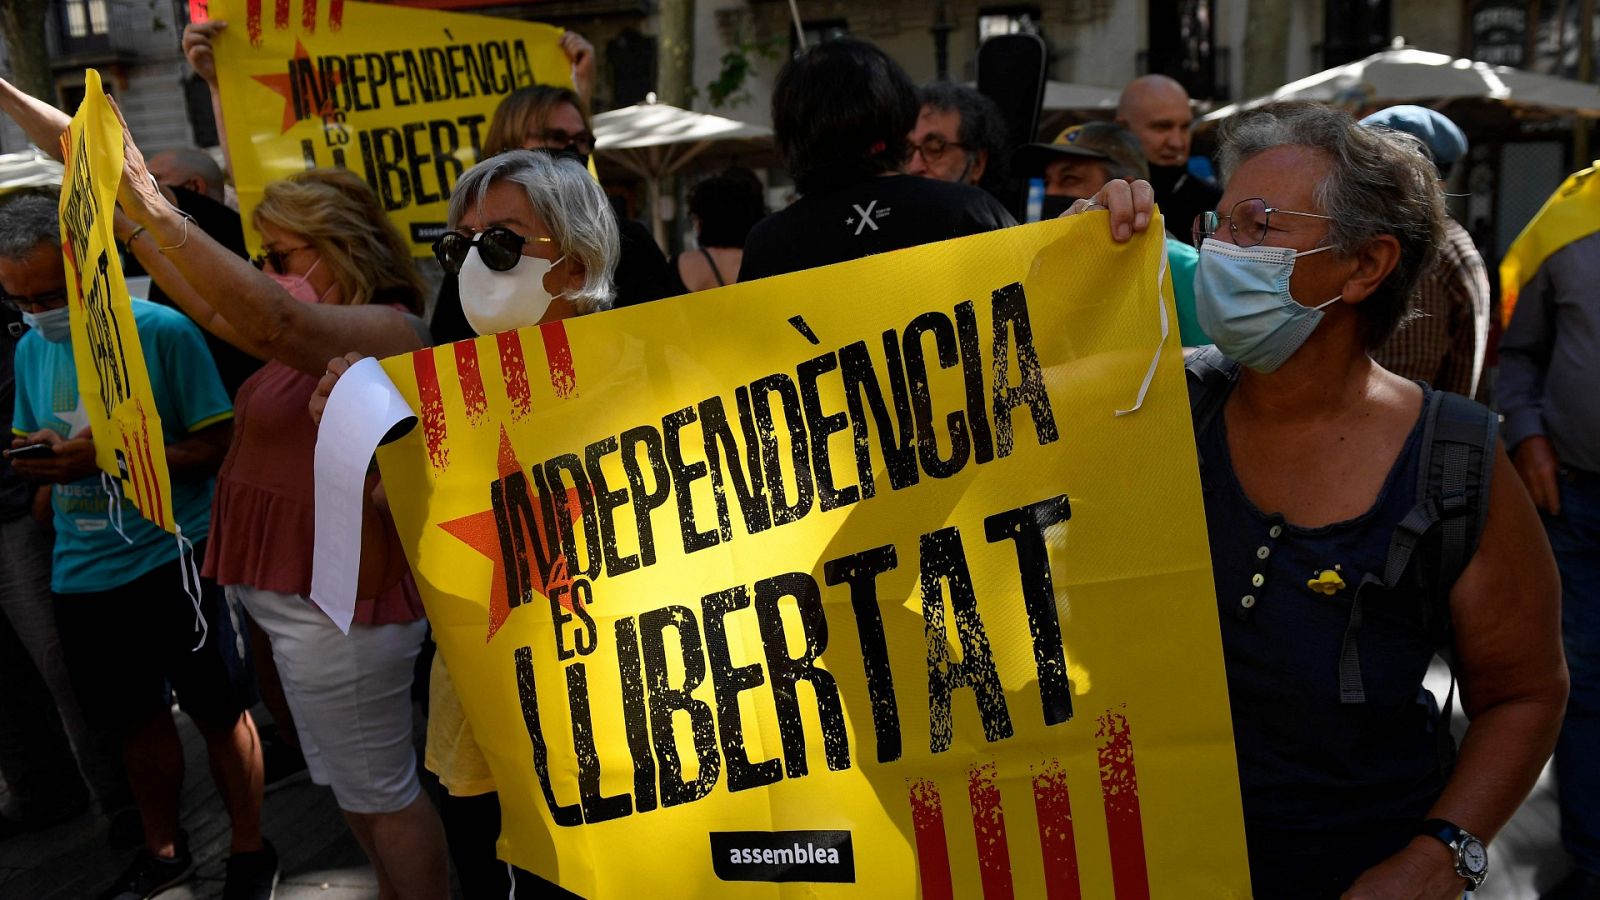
<point>1474,857</point>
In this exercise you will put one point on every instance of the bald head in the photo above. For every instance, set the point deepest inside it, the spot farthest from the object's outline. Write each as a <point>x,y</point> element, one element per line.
<point>188,167</point>
<point>1156,109</point>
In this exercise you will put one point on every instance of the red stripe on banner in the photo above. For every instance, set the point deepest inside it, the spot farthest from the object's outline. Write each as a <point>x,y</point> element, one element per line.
<point>308,16</point>
<point>515,372</point>
<point>933,857</point>
<point>471,378</point>
<point>154,483</point>
<point>1056,843</point>
<point>989,828</point>
<point>1119,788</point>
<point>131,460</point>
<point>433,426</point>
<point>252,21</point>
<point>280,15</point>
<point>558,353</point>
<point>336,14</point>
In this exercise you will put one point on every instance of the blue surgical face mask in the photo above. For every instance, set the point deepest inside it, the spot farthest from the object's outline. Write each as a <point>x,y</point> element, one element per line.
<point>54,325</point>
<point>1241,296</point>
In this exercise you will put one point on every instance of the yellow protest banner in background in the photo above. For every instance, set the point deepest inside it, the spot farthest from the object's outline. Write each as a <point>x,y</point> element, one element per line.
<point>402,97</point>
<point>128,441</point>
<point>845,583</point>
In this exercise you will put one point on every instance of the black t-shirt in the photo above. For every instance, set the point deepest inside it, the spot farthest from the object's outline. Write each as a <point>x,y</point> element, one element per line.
<point>1181,197</point>
<point>642,275</point>
<point>223,226</point>
<point>873,215</point>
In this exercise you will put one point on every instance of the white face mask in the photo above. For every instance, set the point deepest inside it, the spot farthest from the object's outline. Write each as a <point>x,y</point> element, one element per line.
<point>54,325</point>
<point>503,301</point>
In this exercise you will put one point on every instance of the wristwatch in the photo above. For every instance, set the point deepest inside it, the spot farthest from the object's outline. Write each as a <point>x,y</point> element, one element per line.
<point>1472,857</point>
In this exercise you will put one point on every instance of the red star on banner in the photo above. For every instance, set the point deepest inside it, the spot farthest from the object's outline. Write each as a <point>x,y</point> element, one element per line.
<point>284,85</point>
<point>480,532</point>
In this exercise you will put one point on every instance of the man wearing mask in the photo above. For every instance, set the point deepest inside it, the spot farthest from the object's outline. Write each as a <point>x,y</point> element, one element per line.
<point>129,628</point>
<point>1156,109</point>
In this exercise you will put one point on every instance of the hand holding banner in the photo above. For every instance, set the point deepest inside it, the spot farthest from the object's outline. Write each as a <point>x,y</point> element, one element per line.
<point>112,377</point>
<point>848,577</point>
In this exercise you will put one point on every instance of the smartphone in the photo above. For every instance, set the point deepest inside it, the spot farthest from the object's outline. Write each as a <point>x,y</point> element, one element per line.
<point>30,451</point>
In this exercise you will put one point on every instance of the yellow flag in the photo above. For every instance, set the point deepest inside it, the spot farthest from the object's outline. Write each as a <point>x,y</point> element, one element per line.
<point>848,583</point>
<point>112,377</point>
<point>402,97</point>
<point>1572,212</point>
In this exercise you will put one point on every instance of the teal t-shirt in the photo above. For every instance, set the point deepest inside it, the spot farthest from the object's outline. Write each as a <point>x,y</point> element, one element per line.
<point>89,554</point>
<point>1182,260</point>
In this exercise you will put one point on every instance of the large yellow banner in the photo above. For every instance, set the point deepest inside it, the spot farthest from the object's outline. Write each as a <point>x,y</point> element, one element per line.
<point>846,583</point>
<point>402,97</point>
<point>128,441</point>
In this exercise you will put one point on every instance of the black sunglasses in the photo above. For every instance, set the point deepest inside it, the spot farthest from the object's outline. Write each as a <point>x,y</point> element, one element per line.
<point>499,248</point>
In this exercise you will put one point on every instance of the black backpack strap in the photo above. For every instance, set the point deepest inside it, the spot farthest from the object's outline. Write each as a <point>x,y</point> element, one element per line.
<point>1211,377</point>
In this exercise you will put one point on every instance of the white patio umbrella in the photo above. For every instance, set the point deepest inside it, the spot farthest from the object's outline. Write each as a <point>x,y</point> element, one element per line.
<point>1408,75</point>
<point>654,140</point>
<point>29,168</point>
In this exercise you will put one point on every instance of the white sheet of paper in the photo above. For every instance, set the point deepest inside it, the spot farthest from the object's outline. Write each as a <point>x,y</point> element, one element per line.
<point>363,408</point>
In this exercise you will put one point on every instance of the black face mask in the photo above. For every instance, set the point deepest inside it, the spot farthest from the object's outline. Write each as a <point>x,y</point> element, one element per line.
<point>1055,206</point>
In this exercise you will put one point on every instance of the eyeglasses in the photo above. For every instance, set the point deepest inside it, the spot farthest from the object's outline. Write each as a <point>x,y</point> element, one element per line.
<point>1247,222</point>
<point>499,248</point>
<point>48,300</point>
<point>279,259</point>
<point>557,139</point>
<point>932,148</point>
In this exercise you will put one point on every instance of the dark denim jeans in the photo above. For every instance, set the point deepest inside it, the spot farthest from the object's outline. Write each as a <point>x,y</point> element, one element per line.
<point>1575,538</point>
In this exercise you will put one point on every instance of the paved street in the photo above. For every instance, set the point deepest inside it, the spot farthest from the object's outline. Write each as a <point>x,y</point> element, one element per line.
<point>321,861</point>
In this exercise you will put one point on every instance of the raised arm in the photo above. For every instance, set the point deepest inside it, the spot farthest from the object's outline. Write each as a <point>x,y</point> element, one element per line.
<point>197,39</point>
<point>41,122</point>
<point>303,336</point>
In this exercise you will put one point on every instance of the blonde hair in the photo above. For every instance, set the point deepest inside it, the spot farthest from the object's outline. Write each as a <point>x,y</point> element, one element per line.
<point>339,215</point>
<point>524,107</point>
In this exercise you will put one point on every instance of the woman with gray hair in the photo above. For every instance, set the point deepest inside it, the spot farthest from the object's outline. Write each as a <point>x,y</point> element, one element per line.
<point>532,241</point>
<point>1336,579</point>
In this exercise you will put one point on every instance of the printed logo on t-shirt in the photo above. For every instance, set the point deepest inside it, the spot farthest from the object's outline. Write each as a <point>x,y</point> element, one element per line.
<point>865,218</point>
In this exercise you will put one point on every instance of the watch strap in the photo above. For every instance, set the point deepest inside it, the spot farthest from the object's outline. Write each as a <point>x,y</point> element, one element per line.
<point>1448,833</point>
<point>1454,837</point>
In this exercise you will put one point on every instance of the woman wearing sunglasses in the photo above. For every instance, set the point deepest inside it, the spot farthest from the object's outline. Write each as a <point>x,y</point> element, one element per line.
<point>532,240</point>
<point>335,277</point>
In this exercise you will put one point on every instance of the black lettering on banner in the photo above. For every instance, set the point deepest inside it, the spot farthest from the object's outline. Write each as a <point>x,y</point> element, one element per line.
<point>861,383</point>
<point>596,806</point>
<point>944,563</point>
<point>1010,315</point>
<point>644,501</point>
<point>944,342</point>
<point>588,637</point>
<point>729,681</point>
<point>783,512</point>
<point>788,671</point>
<point>513,548</point>
<point>559,617</point>
<point>444,142</point>
<point>635,719</point>
<point>972,372</point>
<point>607,502</point>
<point>750,491</point>
<point>584,497</point>
<point>684,475</point>
<point>418,157</point>
<point>528,693</point>
<point>546,540</point>
<point>861,571</point>
<point>1025,527</point>
<point>664,700</point>
<point>821,425</point>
